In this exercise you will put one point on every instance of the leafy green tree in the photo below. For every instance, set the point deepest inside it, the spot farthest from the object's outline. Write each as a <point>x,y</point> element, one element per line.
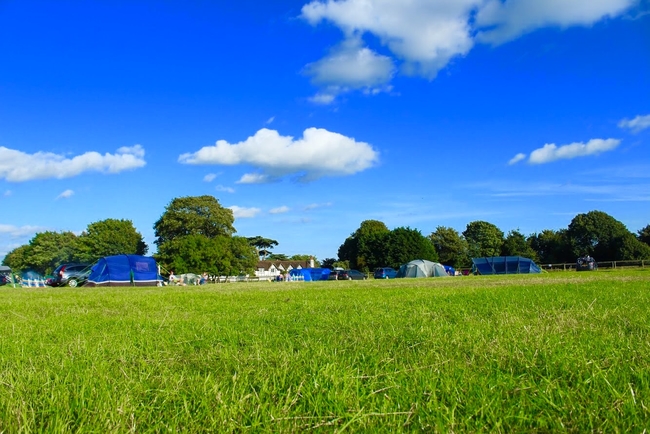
<point>451,247</point>
<point>263,245</point>
<point>47,250</point>
<point>17,259</point>
<point>516,244</point>
<point>602,236</point>
<point>109,237</point>
<point>365,249</point>
<point>483,239</point>
<point>644,235</point>
<point>278,257</point>
<point>194,215</point>
<point>551,246</point>
<point>328,263</point>
<point>406,244</point>
<point>631,248</point>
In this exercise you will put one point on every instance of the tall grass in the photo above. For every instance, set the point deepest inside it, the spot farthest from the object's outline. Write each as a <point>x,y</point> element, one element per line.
<point>559,352</point>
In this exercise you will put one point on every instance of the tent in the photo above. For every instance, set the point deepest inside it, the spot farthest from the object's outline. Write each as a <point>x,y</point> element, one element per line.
<point>504,265</point>
<point>422,268</point>
<point>124,270</point>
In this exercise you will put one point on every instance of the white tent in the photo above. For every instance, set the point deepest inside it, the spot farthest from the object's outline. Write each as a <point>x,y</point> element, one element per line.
<point>422,268</point>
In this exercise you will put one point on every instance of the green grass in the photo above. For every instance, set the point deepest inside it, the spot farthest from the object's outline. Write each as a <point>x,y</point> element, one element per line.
<point>555,352</point>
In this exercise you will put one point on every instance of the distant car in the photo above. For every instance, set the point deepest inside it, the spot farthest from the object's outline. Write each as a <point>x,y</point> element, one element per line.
<point>70,274</point>
<point>351,275</point>
<point>385,273</point>
<point>334,275</point>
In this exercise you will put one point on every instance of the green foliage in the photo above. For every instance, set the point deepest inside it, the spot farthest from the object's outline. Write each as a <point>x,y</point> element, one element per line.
<point>18,258</point>
<point>483,239</point>
<point>406,244</point>
<point>451,247</point>
<point>602,236</point>
<point>219,255</point>
<point>551,247</point>
<point>263,245</point>
<point>46,251</point>
<point>644,235</point>
<point>328,263</point>
<point>365,249</point>
<point>194,215</point>
<point>109,237</point>
<point>516,244</point>
<point>278,257</point>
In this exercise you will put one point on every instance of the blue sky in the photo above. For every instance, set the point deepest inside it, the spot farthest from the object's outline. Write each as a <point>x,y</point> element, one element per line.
<point>308,117</point>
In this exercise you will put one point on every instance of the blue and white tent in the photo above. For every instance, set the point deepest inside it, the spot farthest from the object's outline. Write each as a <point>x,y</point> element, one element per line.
<point>125,270</point>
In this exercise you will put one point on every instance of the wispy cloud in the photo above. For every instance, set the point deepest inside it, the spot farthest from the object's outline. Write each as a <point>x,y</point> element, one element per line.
<point>517,158</point>
<point>19,231</point>
<point>637,124</point>
<point>270,120</point>
<point>7,193</point>
<point>242,212</point>
<point>551,152</point>
<point>317,154</point>
<point>279,210</point>
<point>19,166</point>
<point>209,177</point>
<point>65,195</point>
<point>317,205</point>
<point>224,189</point>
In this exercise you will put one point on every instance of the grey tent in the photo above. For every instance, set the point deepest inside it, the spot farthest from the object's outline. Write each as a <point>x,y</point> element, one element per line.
<point>422,268</point>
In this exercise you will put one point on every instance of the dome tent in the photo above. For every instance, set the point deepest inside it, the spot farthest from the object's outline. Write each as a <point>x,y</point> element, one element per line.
<point>504,265</point>
<point>422,268</point>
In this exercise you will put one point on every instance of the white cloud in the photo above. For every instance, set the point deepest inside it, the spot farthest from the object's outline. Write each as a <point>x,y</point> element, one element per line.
<point>66,194</point>
<point>350,66</point>
<point>637,124</point>
<point>426,35</point>
<point>270,120</point>
<point>19,166</point>
<point>224,189</point>
<point>317,205</point>
<point>209,177</point>
<point>279,210</point>
<point>550,152</point>
<point>254,178</point>
<point>324,98</point>
<point>517,158</point>
<point>240,212</point>
<point>318,153</point>
<point>19,231</point>
<point>505,21</point>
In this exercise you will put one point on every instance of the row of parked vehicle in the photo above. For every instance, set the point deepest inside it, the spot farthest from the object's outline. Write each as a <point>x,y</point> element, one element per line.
<point>69,275</point>
<point>380,273</point>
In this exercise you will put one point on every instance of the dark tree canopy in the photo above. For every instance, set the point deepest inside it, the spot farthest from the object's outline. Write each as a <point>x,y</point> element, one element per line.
<point>451,247</point>
<point>263,245</point>
<point>644,235</point>
<point>603,237</point>
<point>405,245</point>
<point>109,237</point>
<point>516,244</point>
<point>551,246</point>
<point>46,251</point>
<point>365,248</point>
<point>483,239</point>
<point>194,215</point>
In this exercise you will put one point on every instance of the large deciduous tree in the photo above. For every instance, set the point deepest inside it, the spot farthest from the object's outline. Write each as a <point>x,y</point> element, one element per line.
<point>644,235</point>
<point>483,239</point>
<point>45,252</point>
<point>194,215</point>
<point>603,237</point>
<point>406,244</point>
<point>551,246</point>
<point>365,249</point>
<point>263,245</point>
<point>516,244</point>
<point>109,237</point>
<point>451,247</point>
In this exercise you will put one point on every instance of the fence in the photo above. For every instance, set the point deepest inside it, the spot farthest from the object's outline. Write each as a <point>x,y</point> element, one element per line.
<point>611,265</point>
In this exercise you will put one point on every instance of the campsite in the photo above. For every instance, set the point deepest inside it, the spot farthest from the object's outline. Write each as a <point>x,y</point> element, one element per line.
<point>506,353</point>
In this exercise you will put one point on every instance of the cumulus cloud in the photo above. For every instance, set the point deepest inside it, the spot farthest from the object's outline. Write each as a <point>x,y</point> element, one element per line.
<point>241,212</point>
<point>517,158</point>
<point>317,154</point>
<point>66,194</point>
<point>551,152</point>
<point>637,124</point>
<point>19,166</point>
<point>350,66</point>
<point>279,210</point>
<point>426,35</point>
<point>224,189</point>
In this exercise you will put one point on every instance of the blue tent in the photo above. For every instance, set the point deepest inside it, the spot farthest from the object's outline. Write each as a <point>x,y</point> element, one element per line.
<point>504,265</point>
<point>124,270</point>
<point>309,274</point>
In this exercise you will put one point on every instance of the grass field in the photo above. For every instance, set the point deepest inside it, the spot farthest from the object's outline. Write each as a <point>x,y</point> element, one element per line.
<point>554,352</point>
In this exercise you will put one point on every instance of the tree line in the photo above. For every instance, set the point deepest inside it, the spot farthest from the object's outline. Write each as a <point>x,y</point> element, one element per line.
<point>196,234</point>
<point>595,233</point>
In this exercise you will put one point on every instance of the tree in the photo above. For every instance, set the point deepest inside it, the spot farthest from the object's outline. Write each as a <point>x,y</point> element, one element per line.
<point>47,250</point>
<point>406,244</point>
<point>328,263</point>
<point>366,248</point>
<point>263,245</point>
<point>551,246</point>
<point>516,244</point>
<point>600,235</point>
<point>194,215</point>
<point>17,258</point>
<point>644,235</point>
<point>109,237</point>
<point>451,247</point>
<point>278,257</point>
<point>483,239</point>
